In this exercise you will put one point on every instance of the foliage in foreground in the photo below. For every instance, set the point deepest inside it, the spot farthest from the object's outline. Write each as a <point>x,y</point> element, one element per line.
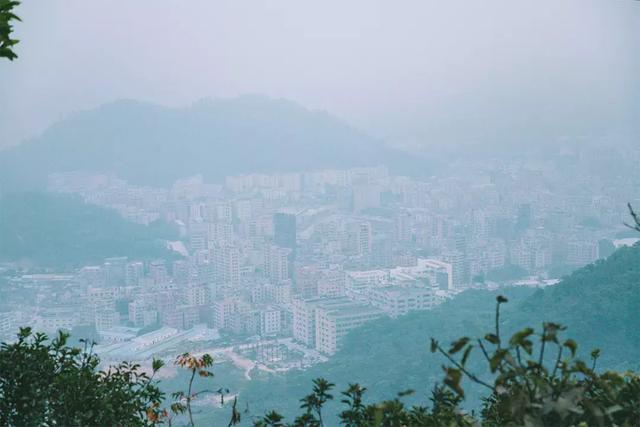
<point>533,379</point>
<point>46,382</point>
<point>7,43</point>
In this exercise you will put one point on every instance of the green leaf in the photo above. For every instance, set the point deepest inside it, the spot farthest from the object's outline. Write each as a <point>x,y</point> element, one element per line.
<point>157,364</point>
<point>492,338</point>
<point>520,336</point>
<point>527,345</point>
<point>496,360</point>
<point>465,355</point>
<point>550,331</point>
<point>572,346</point>
<point>458,345</point>
<point>406,393</point>
<point>452,380</point>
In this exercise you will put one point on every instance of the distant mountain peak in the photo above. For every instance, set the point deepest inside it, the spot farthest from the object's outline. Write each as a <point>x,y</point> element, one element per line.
<point>150,144</point>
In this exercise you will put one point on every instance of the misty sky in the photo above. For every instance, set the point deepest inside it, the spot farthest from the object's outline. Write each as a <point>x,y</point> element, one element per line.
<point>408,71</point>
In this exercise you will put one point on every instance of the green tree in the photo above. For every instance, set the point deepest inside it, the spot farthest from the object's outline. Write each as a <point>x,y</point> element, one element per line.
<point>536,379</point>
<point>391,413</point>
<point>197,366</point>
<point>46,382</point>
<point>6,29</point>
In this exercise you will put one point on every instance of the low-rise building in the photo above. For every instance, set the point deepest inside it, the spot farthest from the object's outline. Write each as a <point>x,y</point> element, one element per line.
<point>334,321</point>
<point>398,300</point>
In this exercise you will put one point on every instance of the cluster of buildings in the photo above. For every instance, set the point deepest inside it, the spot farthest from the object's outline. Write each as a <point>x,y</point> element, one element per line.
<point>310,256</point>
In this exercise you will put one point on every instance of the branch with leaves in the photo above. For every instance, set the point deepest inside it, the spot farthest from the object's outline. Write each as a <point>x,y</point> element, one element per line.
<point>541,384</point>
<point>47,382</point>
<point>7,15</point>
<point>636,219</point>
<point>198,366</point>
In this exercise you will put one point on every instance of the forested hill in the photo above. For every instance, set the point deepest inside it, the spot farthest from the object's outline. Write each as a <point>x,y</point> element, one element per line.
<point>52,230</point>
<point>154,145</point>
<point>600,305</point>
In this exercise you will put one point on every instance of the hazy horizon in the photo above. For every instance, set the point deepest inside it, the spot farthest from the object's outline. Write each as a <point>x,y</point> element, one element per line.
<point>418,74</point>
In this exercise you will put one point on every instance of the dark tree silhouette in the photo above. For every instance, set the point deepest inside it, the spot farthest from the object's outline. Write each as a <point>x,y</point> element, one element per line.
<point>7,43</point>
<point>635,217</point>
<point>47,382</point>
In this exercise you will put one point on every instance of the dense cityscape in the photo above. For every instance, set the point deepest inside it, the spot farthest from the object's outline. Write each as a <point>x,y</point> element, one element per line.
<point>274,270</point>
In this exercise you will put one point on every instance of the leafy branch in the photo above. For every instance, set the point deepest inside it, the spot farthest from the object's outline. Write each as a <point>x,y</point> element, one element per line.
<point>635,217</point>
<point>7,43</point>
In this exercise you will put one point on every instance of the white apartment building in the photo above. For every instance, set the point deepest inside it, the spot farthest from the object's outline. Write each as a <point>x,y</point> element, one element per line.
<point>223,311</point>
<point>106,319</point>
<point>433,270</point>
<point>334,320</point>
<point>53,319</point>
<point>279,294</point>
<point>227,264</point>
<point>101,298</point>
<point>304,321</point>
<point>133,273</point>
<point>276,263</point>
<point>136,311</point>
<point>196,294</point>
<point>365,239</point>
<point>358,283</point>
<point>337,317</point>
<point>398,300</point>
<point>270,322</point>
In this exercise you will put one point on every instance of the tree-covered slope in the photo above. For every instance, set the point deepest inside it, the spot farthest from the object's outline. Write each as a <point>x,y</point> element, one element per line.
<point>59,230</point>
<point>600,305</point>
<point>150,144</point>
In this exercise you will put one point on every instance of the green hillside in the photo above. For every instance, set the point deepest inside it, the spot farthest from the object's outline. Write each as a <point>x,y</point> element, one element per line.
<point>154,145</point>
<point>599,303</point>
<point>59,230</point>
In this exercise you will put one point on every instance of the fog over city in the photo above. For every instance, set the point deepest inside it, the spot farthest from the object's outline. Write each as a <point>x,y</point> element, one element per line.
<point>307,190</point>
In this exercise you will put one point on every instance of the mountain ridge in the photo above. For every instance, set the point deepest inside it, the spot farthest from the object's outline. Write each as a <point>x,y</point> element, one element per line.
<point>63,231</point>
<point>150,144</point>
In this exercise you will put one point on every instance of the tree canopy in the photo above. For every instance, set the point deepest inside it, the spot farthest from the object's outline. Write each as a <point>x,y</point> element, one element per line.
<point>7,43</point>
<point>61,230</point>
<point>533,378</point>
<point>47,382</point>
